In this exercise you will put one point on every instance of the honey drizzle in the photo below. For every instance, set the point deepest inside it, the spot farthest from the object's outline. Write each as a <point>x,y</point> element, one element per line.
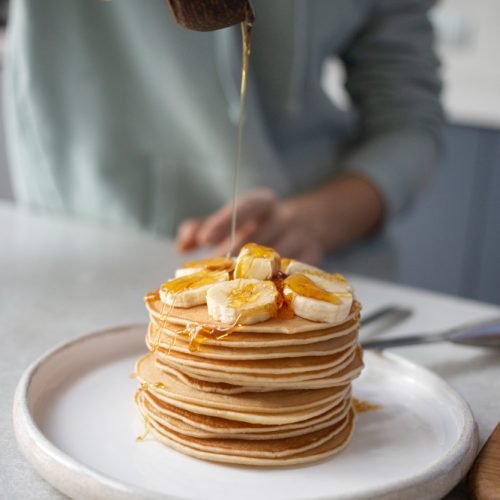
<point>246,34</point>
<point>147,426</point>
<point>247,256</point>
<point>285,310</point>
<point>163,322</point>
<point>197,333</point>
<point>304,286</point>
<point>172,343</point>
<point>211,264</point>
<point>147,430</point>
<point>155,295</point>
<point>244,293</point>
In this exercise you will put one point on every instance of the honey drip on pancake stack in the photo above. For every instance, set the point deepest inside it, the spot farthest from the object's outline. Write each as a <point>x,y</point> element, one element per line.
<point>232,379</point>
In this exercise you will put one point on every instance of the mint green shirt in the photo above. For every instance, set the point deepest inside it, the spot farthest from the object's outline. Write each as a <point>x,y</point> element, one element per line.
<point>116,113</point>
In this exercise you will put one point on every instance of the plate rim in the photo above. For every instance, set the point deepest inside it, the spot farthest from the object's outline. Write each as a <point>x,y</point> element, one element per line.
<point>78,479</point>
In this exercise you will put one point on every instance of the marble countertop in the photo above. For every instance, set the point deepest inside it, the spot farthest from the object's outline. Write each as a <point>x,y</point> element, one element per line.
<point>60,279</point>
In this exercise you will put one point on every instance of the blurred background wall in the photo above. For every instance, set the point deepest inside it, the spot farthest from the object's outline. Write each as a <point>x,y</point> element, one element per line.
<point>5,185</point>
<point>451,241</point>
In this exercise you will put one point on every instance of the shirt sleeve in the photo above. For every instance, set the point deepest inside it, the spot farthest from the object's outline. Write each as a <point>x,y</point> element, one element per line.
<point>393,82</point>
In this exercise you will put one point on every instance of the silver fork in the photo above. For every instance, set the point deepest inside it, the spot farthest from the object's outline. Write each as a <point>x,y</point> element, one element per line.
<point>479,334</point>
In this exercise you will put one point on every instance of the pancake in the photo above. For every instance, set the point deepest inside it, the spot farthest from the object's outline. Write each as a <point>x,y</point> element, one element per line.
<point>226,388</point>
<point>177,342</point>
<point>199,315</point>
<point>336,443</point>
<point>267,448</point>
<point>277,418</point>
<point>154,411</point>
<point>221,426</point>
<point>339,375</point>
<point>207,385</point>
<point>274,366</point>
<point>164,385</point>
<point>250,339</point>
<point>271,393</point>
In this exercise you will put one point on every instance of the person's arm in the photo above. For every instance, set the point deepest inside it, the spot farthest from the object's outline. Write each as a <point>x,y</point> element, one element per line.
<point>393,82</point>
<point>306,227</point>
<point>392,79</point>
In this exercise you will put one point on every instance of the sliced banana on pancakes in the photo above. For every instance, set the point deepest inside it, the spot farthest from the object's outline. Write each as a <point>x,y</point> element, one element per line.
<point>210,264</point>
<point>190,290</point>
<point>257,262</point>
<point>243,301</point>
<point>317,298</point>
<point>292,266</point>
<point>243,380</point>
<point>251,297</point>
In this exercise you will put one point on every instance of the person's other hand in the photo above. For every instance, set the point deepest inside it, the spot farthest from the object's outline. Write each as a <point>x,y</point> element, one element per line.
<point>263,218</point>
<point>306,227</point>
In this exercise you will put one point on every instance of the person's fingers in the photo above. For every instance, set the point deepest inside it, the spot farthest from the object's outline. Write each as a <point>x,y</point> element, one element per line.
<point>272,232</point>
<point>186,238</point>
<point>241,236</point>
<point>312,254</point>
<point>270,229</point>
<point>253,205</point>
<point>291,243</point>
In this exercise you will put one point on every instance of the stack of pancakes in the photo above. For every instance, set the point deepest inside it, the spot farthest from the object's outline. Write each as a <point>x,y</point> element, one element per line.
<point>270,394</point>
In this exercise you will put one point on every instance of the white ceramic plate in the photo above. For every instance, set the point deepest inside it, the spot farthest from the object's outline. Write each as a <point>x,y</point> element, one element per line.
<point>76,423</point>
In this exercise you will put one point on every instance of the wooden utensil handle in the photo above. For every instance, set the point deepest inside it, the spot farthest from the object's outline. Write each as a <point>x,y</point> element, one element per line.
<point>484,477</point>
<point>210,15</point>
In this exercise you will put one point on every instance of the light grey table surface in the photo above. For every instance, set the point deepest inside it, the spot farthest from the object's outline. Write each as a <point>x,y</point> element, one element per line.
<point>60,279</point>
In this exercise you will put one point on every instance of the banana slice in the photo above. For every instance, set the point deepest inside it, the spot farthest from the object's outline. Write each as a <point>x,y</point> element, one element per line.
<point>243,301</point>
<point>190,290</point>
<point>210,264</point>
<point>292,266</point>
<point>331,282</point>
<point>317,299</point>
<point>257,262</point>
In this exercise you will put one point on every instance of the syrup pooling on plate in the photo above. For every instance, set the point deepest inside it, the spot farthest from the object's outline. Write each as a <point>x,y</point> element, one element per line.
<point>361,406</point>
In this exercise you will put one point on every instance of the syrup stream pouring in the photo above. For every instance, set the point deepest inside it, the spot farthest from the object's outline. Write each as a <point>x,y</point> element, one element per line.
<point>480,334</point>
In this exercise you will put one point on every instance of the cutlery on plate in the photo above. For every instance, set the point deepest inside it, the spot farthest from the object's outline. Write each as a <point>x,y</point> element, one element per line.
<point>395,313</point>
<point>483,334</point>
